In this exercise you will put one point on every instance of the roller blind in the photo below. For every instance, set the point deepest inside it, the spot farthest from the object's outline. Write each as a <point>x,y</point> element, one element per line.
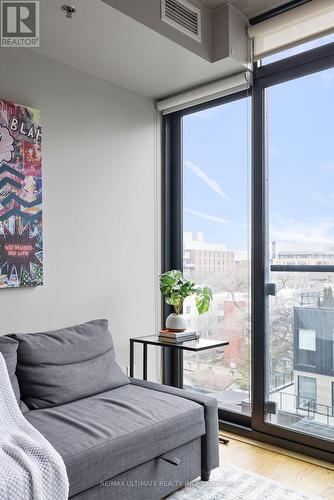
<point>300,24</point>
<point>205,93</point>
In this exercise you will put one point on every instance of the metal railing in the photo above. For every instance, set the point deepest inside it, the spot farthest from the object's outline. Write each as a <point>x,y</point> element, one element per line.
<point>307,407</point>
<point>310,298</point>
<point>280,380</point>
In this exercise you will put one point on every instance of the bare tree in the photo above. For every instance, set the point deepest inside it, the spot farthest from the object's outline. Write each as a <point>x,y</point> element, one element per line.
<point>280,347</point>
<point>281,339</point>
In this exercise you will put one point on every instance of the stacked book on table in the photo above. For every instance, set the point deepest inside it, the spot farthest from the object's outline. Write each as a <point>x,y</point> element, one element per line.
<point>177,337</point>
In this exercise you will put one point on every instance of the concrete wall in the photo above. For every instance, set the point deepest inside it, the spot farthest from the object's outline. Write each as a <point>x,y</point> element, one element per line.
<point>100,202</point>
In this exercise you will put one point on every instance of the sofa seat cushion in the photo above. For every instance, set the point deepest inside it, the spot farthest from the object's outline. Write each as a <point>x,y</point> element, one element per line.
<point>109,433</point>
<point>61,366</point>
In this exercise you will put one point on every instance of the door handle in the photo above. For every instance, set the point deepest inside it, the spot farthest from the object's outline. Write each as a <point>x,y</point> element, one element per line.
<point>271,289</point>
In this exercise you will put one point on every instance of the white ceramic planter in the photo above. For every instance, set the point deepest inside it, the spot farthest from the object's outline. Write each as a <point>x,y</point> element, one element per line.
<point>176,322</point>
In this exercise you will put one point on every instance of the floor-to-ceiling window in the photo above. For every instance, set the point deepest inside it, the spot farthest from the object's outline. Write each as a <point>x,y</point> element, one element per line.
<point>287,339</point>
<point>300,172</point>
<point>215,163</point>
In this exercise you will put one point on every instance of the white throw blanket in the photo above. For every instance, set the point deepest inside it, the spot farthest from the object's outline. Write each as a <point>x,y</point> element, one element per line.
<point>30,468</point>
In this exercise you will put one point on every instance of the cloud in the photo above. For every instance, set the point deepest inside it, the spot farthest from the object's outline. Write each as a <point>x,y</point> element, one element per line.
<point>309,233</point>
<point>207,216</point>
<point>205,178</point>
<point>325,200</point>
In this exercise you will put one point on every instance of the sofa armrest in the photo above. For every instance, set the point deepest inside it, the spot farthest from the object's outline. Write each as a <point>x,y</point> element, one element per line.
<point>210,441</point>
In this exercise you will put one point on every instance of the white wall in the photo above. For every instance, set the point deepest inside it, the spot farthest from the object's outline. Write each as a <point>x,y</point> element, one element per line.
<point>99,174</point>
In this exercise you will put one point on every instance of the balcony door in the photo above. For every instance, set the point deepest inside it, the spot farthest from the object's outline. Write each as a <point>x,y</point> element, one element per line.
<point>294,304</point>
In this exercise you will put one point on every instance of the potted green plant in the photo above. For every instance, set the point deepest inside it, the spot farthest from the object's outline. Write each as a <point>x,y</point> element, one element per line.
<point>175,288</point>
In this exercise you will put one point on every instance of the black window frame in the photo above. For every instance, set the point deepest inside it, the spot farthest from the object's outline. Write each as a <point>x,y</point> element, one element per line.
<point>303,64</point>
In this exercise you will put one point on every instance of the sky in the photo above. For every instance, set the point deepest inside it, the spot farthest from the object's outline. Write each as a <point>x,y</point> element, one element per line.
<point>215,173</point>
<point>300,149</point>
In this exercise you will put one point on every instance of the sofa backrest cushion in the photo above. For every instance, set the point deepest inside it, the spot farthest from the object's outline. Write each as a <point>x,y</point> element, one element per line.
<point>60,366</point>
<point>8,348</point>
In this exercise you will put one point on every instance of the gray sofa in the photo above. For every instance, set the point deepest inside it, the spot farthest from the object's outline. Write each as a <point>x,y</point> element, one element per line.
<point>120,438</point>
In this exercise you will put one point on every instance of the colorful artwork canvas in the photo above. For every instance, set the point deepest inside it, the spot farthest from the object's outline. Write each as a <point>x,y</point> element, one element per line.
<point>21,223</point>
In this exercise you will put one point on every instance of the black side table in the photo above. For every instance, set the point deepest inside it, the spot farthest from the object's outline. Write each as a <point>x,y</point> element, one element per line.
<point>191,345</point>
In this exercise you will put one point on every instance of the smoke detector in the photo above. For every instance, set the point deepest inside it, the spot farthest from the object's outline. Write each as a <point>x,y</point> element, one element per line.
<point>69,10</point>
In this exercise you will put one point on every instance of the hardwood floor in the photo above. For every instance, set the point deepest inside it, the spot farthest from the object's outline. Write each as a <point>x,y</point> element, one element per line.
<point>295,470</point>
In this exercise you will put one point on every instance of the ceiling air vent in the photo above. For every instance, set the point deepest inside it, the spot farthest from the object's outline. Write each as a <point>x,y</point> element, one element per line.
<point>183,16</point>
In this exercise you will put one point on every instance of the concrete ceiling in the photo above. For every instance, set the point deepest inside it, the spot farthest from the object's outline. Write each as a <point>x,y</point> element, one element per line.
<point>110,45</point>
<point>250,8</point>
